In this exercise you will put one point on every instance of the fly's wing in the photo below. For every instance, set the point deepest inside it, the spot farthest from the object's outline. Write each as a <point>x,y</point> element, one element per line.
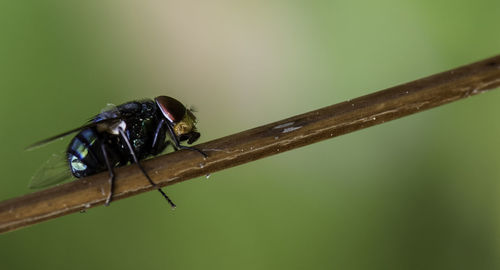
<point>53,171</point>
<point>64,134</point>
<point>59,136</point>
<point>109,113</point>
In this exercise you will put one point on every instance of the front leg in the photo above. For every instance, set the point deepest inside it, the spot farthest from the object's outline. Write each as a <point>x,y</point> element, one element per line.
<point>157,134</point>
<point>177,144</point>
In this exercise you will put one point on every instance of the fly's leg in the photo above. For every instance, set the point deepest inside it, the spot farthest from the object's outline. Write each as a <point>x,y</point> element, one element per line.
<point>132,153</point>
<point>155,138</point>
<point>178,145</point>
<point>111,174</point>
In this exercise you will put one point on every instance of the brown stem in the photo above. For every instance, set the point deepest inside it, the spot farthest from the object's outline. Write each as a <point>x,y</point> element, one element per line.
<point>255,143</point>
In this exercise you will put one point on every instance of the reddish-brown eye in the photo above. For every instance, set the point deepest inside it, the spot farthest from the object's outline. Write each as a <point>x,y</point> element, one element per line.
<point>171,108</point>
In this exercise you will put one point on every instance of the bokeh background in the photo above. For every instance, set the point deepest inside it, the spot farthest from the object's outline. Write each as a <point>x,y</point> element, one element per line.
<point>420,192</point>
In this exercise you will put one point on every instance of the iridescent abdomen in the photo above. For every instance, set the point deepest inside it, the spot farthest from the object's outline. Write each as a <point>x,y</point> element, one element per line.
<point>85,154</point>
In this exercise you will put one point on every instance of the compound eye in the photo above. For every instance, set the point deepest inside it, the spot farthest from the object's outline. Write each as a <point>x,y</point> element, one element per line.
<point>171,108</point>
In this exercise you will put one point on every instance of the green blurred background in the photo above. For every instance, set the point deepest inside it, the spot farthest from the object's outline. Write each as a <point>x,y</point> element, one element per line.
<point>420,192</point>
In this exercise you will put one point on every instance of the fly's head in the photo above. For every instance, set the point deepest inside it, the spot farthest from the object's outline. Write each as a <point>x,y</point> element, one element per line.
<point>181,119</point>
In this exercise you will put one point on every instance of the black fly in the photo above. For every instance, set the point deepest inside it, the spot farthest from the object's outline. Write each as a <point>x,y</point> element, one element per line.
<point>127,133</point>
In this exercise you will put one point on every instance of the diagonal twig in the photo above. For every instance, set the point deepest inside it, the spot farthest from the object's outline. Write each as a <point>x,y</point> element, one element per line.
<point>256,143</point>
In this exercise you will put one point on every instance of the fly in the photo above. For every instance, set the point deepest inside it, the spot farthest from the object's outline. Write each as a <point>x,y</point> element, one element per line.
<point>124,134</point>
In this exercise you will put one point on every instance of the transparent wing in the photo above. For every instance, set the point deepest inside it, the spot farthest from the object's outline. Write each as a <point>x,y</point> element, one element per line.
<point>53,171</point>
<point>59,136</point>
<point>64,134</point>
<point>109,113</point>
